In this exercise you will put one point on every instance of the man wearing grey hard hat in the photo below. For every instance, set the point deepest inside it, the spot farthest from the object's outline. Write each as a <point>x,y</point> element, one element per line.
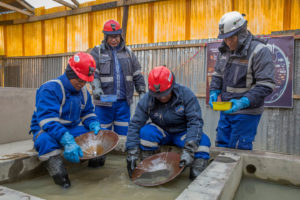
<point>244,75</point>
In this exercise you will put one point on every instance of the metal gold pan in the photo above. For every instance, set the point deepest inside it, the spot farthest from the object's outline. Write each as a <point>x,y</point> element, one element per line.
<point>157,169</point>
<point>97,145</point>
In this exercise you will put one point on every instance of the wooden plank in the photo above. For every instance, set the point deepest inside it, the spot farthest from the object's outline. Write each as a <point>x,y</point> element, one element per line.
<point>54,15</point>
<point>91,29</point>
<point>188,20</point>
<point>124,21</point>
<point>87,9</point>
<point>66,4</point>
<point>134,2</point>
<point>7,6</point>
<point>75,2</point>
<point>151,23</point>
<point>104,6</point>
<point>287,9</point>
<point>7,22</point>
<point>25,5</point>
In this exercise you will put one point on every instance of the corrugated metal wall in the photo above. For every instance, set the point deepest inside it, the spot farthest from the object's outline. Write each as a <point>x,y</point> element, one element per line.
<point>163,21</point>
<point>279,129</point>
<point>32,71</point>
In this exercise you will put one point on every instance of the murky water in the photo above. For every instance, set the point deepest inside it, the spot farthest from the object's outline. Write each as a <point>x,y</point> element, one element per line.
<point>108,182</point>
<point>251,188</point>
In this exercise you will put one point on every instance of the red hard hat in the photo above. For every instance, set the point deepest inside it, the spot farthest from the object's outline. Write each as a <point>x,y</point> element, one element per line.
<point>83,64</point>
<point>112,27</point>
<point>160,81</point>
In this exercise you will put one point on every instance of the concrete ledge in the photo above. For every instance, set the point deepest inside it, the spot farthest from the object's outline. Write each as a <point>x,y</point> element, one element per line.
<point>18,160</point>
<point>219,180</point>
<point>276,167</point>
<point>9,194</point>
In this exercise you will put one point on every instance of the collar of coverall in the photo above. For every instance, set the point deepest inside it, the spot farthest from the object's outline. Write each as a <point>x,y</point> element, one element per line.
<point>68,85</point>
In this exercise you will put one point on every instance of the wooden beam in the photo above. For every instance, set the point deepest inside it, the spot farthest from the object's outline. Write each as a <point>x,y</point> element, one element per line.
<point>75,2</point>
<point>4,5</point>
<point>124,21</point>
<point>104,6</point>
<point>66,4</point>
<point>26,5</point>
<point>133,2</point>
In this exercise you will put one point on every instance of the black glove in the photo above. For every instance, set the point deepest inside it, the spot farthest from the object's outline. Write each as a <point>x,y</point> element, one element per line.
<point>187,156</point>
<point>141,90</point>
<point>132,157</point>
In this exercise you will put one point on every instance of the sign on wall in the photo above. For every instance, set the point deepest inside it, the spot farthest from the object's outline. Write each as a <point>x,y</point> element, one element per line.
<point>282,49</point>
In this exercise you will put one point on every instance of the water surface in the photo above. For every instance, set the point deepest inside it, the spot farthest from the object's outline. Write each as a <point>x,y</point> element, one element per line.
<point>256,189</point>
<point>108,182</point>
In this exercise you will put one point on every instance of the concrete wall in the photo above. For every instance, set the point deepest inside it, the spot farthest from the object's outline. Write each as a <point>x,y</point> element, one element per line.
<point>16,105</point>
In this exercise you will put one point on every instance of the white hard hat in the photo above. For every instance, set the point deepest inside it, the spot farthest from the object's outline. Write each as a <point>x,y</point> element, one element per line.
<point>230,24</point>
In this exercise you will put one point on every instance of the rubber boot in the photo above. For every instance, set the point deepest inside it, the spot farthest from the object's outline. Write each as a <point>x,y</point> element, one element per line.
<point>97,162</point>
<point>145,154</point>
<point>197,167</point>
<point>57,171</point>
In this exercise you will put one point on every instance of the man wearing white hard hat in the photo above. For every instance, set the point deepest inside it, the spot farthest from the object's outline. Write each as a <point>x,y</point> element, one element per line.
<point>244,75</point>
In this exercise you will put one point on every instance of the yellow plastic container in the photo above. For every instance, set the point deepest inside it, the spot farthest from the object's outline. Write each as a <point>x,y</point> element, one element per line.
<point>222,106</point>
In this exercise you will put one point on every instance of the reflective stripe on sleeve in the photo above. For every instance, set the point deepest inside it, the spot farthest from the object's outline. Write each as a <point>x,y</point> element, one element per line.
<point>148,143</point>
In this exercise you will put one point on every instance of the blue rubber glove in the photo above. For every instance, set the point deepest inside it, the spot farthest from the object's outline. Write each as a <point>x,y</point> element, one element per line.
<point>213,96</point>
<point>96,127</point>
<point>72,149</point>
<point>238,104</point>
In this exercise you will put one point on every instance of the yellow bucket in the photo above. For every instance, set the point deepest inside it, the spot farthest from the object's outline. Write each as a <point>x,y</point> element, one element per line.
<point>222,106</point>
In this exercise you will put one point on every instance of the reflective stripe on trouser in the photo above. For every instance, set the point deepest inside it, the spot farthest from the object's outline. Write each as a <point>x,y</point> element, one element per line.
<point>237,131</point>
<point>47,146</point>
<point>151,137</point>
<point>117,115</point>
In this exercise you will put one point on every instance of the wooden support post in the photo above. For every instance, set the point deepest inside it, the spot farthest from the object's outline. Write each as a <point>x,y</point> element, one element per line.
<point>4,5</point>
<point>124,21</point>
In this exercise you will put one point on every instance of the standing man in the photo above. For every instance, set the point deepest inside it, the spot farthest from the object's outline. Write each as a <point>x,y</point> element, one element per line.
<point>63,111</point>
<point>117,73</point>
<point>175,116</point>
<point>244,75</point>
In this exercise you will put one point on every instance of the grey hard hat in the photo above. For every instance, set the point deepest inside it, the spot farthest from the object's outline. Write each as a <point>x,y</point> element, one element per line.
<point>230,24</point>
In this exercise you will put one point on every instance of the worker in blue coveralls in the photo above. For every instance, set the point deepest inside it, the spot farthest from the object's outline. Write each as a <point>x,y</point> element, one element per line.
<point>117,73</point>
<point>175,119</point>
<point>63,111</point>
<point>244,75</point>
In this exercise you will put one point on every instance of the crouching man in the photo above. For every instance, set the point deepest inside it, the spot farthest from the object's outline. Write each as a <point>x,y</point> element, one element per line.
<point>175,119</point>
<point>63,111</point>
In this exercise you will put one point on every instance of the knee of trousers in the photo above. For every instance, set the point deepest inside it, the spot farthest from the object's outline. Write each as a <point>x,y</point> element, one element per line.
<point>45,144</point>
<point>150,137</point>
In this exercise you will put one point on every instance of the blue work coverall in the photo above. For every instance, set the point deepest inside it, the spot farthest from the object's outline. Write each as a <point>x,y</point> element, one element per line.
<point>175,122</point>
<point>246,72</point>
<point>59,108</point>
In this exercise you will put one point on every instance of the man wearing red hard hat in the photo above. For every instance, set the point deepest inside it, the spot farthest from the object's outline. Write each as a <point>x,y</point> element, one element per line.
<point>118,73</point>
<point>63,111</point>
<point>175,119</point>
